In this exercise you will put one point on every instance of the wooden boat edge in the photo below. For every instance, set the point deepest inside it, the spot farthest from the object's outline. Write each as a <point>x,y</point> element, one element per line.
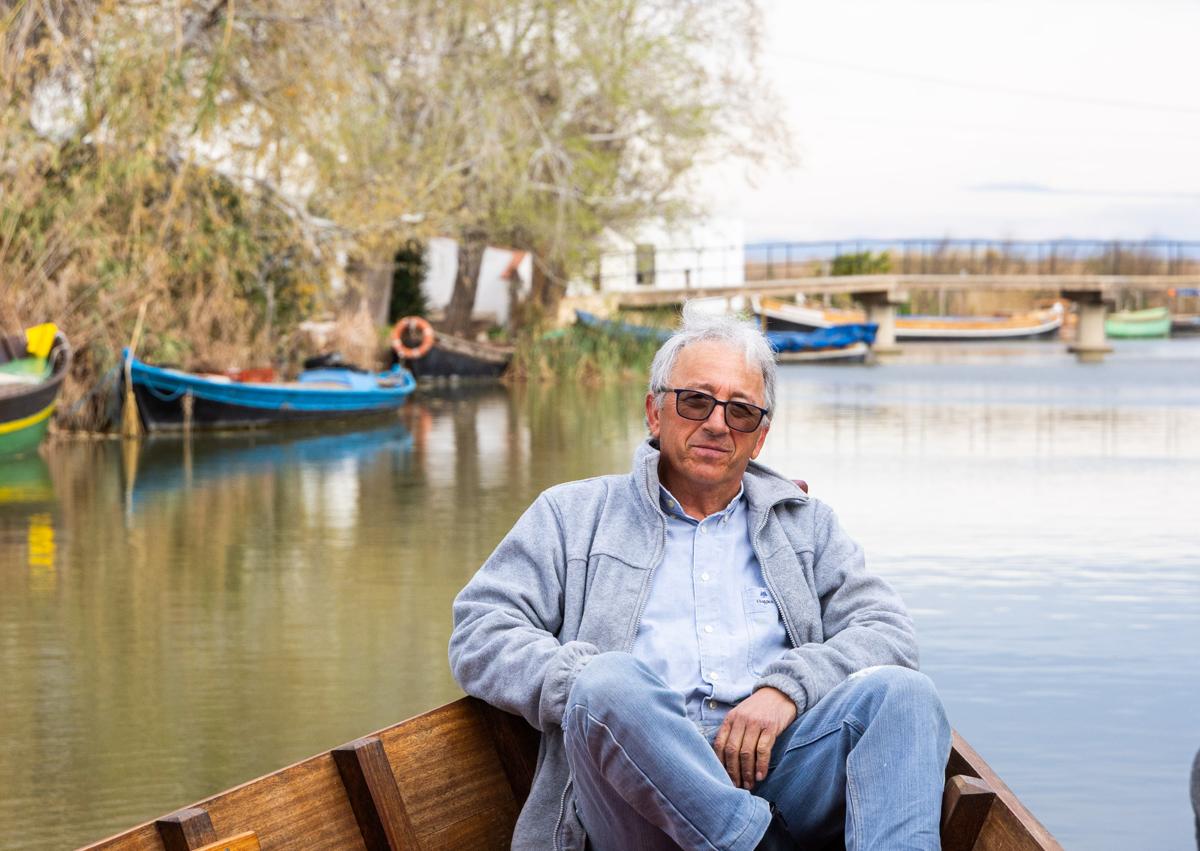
<point>1014,815</point>
<point>515,745</point>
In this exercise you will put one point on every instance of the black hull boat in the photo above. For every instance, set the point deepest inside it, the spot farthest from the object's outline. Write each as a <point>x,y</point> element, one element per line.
<point>456,357</point>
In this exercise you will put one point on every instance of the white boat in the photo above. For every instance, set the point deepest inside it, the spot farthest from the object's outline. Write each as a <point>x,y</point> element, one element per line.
<point>785,315</point>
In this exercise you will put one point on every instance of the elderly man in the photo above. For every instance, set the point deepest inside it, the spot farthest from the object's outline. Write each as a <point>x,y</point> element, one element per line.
<point>709,662</point>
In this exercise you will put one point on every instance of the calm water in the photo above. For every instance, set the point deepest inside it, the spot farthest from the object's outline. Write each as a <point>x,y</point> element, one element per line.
<point>184,617</point>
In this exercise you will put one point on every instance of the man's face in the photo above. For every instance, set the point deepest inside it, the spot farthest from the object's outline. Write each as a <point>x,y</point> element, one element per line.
<point>706,454</point>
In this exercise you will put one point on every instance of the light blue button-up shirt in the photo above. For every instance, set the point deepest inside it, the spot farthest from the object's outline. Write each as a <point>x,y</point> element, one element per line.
<point>710,627</point>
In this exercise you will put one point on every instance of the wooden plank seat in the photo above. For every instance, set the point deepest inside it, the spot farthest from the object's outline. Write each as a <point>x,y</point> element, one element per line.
<point>455,778</point>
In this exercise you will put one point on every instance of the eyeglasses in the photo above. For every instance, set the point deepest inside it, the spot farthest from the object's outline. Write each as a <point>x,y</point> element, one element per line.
<point>739,416</point>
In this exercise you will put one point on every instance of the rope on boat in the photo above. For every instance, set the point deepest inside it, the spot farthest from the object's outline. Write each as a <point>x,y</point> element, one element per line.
<point>161,395</point>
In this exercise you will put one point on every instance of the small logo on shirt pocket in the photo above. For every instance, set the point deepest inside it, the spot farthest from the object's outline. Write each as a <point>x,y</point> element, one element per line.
<point>757,601</point>
<point>762,618</point>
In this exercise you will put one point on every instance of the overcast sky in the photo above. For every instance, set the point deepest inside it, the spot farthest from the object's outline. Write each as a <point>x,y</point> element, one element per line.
<point>963,118</point>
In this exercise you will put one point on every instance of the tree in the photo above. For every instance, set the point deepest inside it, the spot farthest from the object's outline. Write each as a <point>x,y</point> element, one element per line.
<point>225,160</point>
<point>597,115</point>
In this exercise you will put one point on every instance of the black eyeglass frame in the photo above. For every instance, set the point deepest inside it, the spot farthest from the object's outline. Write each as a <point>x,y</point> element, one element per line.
<point>763,413</point>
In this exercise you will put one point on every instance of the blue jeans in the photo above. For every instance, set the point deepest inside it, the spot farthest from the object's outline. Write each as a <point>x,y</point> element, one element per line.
<point>865,764</point>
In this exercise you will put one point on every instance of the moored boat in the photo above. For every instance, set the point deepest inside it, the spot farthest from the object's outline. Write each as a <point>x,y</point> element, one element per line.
<point>32,368</point>
<point>1139,324</point>
<point>458,357</point>
<point>1185,325</point>
<point>456,777</point>
<point>432,355</point>
<point>840,344</point>
<point>171,399</point>
<point>782,315</point>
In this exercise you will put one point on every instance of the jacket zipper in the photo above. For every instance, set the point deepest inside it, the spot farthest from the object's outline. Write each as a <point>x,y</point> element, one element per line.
<point>645,598</point>
<point>787,623</point>
<point>562,813</point>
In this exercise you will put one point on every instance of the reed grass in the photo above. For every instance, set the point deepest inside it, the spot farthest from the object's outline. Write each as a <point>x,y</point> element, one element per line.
<point>581,355</point>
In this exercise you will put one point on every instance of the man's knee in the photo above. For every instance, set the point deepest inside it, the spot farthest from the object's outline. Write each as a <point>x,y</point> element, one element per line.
<point>606,680</point>
<point>902,688</point>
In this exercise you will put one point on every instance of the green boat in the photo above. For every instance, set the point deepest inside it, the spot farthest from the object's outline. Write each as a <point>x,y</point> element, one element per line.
<point>32,368</point>
<point>1151,322</point>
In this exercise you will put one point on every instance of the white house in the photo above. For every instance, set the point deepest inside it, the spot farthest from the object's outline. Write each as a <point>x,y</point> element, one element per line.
<point>503,273</point>
<point>698,254</point>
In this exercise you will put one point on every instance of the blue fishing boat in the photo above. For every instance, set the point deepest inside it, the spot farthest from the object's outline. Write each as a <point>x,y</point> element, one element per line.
<point>842,343</point>
<point>171,399</point>
<point>847,343</point>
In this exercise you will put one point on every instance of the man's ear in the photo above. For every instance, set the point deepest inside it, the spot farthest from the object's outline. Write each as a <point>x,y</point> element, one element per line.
<point>762,438</point>
<point>652,412</point>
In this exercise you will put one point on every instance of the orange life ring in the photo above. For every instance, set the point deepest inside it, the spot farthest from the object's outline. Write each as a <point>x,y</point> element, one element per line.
<point>412,324</point>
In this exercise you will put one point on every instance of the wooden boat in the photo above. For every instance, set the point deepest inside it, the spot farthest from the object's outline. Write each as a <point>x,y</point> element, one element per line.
<point>32,368</point>
<point>171,399</point>
<point>783,315</point>
<point>1139,324</point>
<point>849,343</point>
<point>840,344</point>
<point>1183,325</point>
<point>458,357</point>
<point>456,777</point>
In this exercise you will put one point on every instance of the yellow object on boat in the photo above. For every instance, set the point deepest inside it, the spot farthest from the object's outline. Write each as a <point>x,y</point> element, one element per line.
<point>40,339</point>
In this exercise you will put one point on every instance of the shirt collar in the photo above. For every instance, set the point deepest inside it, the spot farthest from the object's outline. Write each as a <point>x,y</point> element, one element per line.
<point>670,504</point>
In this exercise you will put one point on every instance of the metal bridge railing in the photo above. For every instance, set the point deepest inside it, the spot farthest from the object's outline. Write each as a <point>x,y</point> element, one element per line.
<point>700,266</point>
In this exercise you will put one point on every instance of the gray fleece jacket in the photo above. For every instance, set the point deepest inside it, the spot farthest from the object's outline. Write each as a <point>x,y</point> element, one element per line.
<point>571,580</point>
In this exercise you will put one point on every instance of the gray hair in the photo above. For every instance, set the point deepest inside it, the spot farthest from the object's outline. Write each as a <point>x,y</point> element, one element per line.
<point>699,326</point>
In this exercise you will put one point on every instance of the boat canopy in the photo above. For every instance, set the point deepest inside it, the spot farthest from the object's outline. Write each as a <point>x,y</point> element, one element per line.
<point>833,337</point>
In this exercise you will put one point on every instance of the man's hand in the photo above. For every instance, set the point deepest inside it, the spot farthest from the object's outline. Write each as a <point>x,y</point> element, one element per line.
<point>748,733</point>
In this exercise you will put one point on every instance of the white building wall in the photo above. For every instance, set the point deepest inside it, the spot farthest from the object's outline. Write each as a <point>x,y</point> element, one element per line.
<point>441,267</point>
<point>700,254</point>
<point>492,295</point>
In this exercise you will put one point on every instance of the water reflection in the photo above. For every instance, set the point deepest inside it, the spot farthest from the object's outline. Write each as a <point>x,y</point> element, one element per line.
<point>183,616</point>
<point>26,500</point>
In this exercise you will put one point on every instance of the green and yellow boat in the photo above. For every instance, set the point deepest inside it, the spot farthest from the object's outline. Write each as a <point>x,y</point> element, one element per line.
<point>32,368</point>
<point>1151,322</point>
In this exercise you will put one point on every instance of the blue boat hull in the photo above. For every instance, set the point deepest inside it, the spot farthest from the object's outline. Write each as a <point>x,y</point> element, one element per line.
<point>162,396</point>
<point>834,341</point>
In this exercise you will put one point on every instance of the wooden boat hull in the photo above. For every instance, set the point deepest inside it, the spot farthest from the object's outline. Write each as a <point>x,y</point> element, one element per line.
<point>456,777</point>
<point>168,399</point>
<point>1139,324</point>
<point>25,410</point>
<point>853,353</point>
<point>780,315</point>
<point>455,357</point>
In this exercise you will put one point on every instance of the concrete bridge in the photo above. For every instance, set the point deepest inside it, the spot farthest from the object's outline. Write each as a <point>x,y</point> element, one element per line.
<point>881,294</point>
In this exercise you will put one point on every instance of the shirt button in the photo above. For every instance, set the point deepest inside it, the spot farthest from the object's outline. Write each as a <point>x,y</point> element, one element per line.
<point>703,530</point>
<point>704,577</point>
<point>714,676</point>
<point>708,629</point>
<point>712,704</point>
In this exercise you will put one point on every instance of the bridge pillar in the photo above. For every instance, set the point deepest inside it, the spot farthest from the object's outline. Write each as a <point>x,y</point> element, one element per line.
<point>881,309</point>
<point>1090,344</point>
